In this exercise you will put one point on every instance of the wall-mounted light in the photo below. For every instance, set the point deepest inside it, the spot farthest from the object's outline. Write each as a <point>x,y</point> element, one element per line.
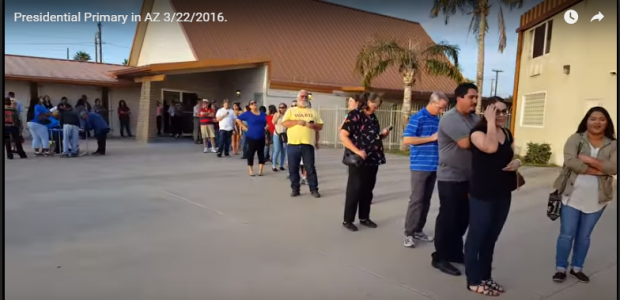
<point>309,96</point>
<point>566,69</point>
<point>238,93</point>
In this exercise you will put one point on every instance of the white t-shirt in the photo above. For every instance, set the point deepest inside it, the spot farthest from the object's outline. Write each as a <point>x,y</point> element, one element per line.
<point>585,191</point>
<point>228,122</point>
<point>196,111</point>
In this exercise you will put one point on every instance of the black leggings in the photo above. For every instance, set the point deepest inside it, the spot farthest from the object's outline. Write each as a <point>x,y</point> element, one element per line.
<point>255,147</point>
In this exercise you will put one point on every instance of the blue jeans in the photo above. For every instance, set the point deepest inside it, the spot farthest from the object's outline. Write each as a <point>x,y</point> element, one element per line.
<point>244,146</point>
<point>295,154</point>
<point>575,230</point>
<point>279,151</point>
<point>71,134</point>
<point>40,136</point>
<point>486,220</point>
<point>225,137</point>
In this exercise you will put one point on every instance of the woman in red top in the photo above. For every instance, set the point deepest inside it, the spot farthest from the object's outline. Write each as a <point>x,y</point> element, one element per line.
<point>270,128</point>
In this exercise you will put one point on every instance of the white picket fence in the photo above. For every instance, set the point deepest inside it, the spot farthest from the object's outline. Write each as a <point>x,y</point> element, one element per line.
<point>334,116</point>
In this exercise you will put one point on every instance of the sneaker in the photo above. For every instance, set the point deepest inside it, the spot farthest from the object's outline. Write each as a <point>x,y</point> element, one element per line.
<point>295,193</point>
<point>409,242</point>
<point>206,150</point>
<point>580,276</point>
<point>213,150</point>
<point>349,226</point>
<point>421,236</point>
<point>282,169</point>
<point>274,169</point>
<point>368,223</point>
<point>303,181</point>
<point>315,194</point>
<point>559,276</point>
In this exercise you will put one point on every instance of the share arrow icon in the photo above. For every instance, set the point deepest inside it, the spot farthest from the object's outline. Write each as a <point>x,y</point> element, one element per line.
<point>598,17</point>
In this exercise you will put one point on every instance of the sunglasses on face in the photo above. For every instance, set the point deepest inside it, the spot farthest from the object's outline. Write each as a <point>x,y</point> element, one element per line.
<point>503,112</point>
<point>252,103</point>
<point>281,107</point>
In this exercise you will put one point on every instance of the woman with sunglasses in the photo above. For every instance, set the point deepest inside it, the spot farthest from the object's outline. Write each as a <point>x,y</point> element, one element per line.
<point>236,137</point>
<point>254,126</point>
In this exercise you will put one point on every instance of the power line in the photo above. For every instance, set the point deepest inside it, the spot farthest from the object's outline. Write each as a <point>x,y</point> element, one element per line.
<point>39,43</point>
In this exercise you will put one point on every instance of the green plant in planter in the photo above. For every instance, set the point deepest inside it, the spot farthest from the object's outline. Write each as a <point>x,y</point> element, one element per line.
<point>538,153</point>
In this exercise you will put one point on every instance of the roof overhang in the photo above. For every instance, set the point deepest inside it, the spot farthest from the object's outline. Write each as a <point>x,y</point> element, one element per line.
<point>543,11</point>
<point>209,65</point>
<point>118,83</point>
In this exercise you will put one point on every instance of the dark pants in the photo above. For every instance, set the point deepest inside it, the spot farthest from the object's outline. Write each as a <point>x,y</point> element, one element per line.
<point>255,147</point>
<point>225,138</point>
<point>125,126</point>
<point>487,218</point>
<point>452,220</point>
<point>176,122</point>
<point>422,186</point>
<point>57,137</point>
<point>101,141</point>
<point>12,133</point>
<point>295,154</point>
<point>158,119</point>
<point>360,185</point>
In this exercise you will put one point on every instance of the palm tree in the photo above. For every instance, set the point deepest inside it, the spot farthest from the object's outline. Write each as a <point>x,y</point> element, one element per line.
<point>379,55</point>
<point>479,10</point>
<point>81,56</point>
<point>125,62</point>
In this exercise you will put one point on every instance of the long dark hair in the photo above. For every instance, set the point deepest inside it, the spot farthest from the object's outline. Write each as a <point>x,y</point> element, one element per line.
<point>272,109</point>
<point>492,100</point>
<point>363,98</point>
<point>609,132</point>
<point>119,103</point>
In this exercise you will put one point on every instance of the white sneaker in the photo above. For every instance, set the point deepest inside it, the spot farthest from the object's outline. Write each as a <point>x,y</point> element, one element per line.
<point>213,150</point>
<point>421,236</point>
<point>206,150</point>
<point>408,242</point>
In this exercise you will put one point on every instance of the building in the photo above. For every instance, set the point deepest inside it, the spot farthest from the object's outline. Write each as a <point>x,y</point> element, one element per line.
<point>30,77</point>
<point>259,51</point>
<point>563,70</point>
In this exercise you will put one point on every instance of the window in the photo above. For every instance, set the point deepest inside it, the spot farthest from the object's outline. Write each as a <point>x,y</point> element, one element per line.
<point>541,39</point>
<point>533,110</point>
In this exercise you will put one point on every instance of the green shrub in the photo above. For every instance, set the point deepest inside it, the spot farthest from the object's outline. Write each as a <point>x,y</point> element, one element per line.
<point>538,153</point>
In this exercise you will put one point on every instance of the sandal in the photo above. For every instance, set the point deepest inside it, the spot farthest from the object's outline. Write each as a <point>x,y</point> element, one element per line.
<point>483,289</point>
<point>494,285</point>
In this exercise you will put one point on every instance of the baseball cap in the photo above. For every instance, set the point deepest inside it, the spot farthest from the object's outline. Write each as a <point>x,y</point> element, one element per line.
<point>205,100</point>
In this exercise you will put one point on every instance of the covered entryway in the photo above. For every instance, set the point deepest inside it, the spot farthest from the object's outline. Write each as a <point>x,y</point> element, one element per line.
<point>235,80</point>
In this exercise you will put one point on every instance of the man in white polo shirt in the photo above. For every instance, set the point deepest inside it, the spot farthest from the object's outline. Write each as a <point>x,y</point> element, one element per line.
<point>226,118</point>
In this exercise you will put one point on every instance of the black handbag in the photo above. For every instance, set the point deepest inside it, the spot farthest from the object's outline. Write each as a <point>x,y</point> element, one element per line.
<point>352,159</point>
<point>43,119</point>
<point>283,137</point>
<point>554,204</point>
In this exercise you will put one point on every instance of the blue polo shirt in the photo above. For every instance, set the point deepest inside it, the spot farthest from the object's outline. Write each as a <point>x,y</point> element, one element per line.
<point>423,157</point>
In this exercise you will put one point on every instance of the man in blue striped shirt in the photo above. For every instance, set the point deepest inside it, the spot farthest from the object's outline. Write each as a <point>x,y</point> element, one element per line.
<point>421,136</point>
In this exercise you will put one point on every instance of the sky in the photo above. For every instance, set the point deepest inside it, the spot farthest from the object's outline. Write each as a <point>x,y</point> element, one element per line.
<point>53,39</point>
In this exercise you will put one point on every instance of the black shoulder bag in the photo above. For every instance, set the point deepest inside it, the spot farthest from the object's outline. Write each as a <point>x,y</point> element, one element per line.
<point>554,205</point>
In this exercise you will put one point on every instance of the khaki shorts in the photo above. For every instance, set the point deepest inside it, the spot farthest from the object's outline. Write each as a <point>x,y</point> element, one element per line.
<point>207,131</point>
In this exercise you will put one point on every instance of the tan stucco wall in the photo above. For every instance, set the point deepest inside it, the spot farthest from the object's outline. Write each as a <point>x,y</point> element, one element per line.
<point>164,42</point>
<point>590,50</point>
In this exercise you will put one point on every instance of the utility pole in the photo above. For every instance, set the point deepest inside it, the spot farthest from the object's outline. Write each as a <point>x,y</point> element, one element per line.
<point>496,79</point>
<point>96,48</point>
<point>492,86</point>
<point>100,42</point>
<point>67,53</point>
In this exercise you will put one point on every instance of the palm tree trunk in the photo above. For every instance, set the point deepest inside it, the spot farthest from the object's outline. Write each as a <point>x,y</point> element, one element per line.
<point>406,110</point>
<point>480,67</point>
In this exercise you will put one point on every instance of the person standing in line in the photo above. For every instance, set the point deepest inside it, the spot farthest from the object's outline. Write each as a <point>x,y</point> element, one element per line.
<point>236,137</point>
<point>254,123</point>
<point>176,119</point>
<point>70,122</point>
<point>226,118</point>
<point>207,130</point>
<point>124,115</point>
<point>38,118</point>
<point>421,137</point>
<point>271,110</point>
<point>98,108</point>
<point>196,119</point>
<point>301,124</point>
<point>361,134</point>
<point>453,173</point>
<point>279,138</point>
<point>493,178</point>
<point>587,185</point>
<point>11,129</point>
<point>158,112</point>
<point>64,105</point>
<point>95,122</point>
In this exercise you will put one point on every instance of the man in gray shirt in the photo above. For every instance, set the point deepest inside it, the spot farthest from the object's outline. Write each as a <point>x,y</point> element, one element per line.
<point>452,179</point>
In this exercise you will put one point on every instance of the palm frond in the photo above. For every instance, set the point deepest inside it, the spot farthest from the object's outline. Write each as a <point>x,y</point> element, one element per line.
<point>512,4</point>
<point>445,49</point>
<point>376,57</point>
<point>437,67</point>
<point>502,30</point>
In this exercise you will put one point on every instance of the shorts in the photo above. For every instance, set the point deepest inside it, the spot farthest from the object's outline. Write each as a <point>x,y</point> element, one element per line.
<point>207,131</point>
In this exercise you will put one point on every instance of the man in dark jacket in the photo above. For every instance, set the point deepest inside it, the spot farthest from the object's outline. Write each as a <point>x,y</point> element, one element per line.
<point>93,121</point>
<point>70,123</point>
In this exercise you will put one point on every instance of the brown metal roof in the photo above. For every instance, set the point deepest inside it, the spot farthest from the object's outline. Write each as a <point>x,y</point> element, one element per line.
<point>308,41</point>
<point>19,67</point>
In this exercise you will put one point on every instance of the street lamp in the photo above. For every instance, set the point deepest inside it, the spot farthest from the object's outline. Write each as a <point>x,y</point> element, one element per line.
<point>496,77</point>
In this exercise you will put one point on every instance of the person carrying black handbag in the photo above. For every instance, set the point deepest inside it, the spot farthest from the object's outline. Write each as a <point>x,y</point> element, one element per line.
<point>362,137</point>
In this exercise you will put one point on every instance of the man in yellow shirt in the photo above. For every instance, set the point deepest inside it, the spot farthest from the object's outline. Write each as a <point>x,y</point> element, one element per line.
<point>302,123</point>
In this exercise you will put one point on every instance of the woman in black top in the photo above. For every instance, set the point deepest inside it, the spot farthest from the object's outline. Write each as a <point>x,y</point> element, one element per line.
<point>492,181</point>
<point>124,114</point>
<point>362,135</point>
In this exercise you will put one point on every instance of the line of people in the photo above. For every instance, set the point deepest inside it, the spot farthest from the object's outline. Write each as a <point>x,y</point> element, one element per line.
<point>473,162</point>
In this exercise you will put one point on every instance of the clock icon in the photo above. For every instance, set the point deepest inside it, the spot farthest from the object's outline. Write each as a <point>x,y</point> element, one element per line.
<point>571,16</point>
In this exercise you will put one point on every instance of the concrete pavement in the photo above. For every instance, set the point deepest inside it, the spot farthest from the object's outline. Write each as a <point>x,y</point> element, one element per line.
<point>165,221</point>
